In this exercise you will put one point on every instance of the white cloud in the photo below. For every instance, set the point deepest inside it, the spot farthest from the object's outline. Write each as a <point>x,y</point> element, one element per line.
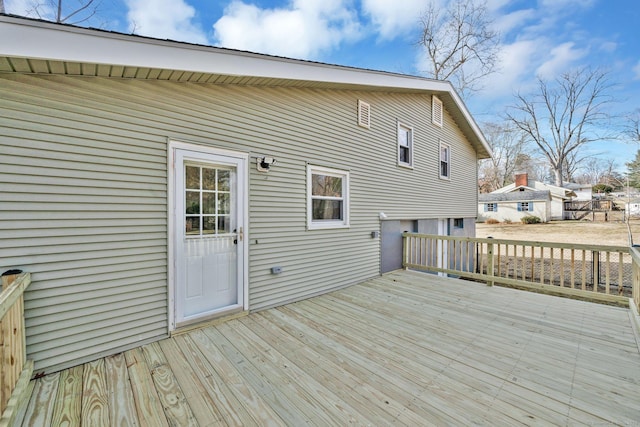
<point>303,30</point>
<point>608,46</point>
<point>516,62</point>
<point>562,57</point>
<point>393,18</point>
<point>514,20</point>
<point>164,19</point>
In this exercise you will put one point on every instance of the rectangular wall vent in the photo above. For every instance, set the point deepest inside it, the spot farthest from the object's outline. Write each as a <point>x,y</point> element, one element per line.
<point>364,114</point>
<point>437,111</point>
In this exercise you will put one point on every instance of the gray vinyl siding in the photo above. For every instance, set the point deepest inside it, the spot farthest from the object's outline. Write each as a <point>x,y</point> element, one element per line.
<point>84,194</point>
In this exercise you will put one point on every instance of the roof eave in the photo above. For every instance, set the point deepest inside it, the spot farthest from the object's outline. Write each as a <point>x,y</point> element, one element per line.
<point>55,42</point>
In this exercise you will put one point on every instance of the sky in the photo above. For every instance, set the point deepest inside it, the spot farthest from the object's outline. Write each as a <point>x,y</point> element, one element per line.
<point>539,38</point>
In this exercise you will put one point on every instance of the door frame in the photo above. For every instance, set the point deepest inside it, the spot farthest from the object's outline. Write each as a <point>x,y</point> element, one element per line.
<point>242,199</point>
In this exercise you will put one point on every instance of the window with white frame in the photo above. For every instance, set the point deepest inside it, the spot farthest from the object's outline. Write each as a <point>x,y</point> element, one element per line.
<point>327,198</point>
<point>445,160</point>
<point>405,145</point>
<point>525,206</point>
<point>491,207</point>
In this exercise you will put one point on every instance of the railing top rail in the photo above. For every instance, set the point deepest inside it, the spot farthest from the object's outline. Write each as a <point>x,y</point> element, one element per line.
<point>601,248</point>
<point>13,292</point>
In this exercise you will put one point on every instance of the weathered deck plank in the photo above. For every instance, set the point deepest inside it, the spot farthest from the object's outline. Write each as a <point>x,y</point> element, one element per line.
<point>122,410</point>
<point>95,400</point>
<point>148,408</point>
<point>68,404</point>
<point>402,349</point>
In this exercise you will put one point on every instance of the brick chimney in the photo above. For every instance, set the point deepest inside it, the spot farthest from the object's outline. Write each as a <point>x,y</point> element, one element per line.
<point>522,179</point>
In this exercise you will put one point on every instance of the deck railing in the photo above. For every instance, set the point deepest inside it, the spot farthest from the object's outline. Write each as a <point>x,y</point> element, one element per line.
<point>635,255</point>
<point>592,271</point>
<point>15,370</point>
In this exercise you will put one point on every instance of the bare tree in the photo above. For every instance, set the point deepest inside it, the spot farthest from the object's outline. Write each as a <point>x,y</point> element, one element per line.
<point>633,126</point>
<point>65,12</point>
<point>459,43</point>
<point>596,170</point>
<point>507,144</point>
<point>564,115</point>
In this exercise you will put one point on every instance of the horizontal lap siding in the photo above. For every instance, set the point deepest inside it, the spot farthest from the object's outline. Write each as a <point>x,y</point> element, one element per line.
<point>105,143</point>
<point>84,211</point>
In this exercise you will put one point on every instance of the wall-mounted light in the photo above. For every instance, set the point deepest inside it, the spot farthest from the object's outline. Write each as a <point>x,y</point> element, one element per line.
<point>264,163</point>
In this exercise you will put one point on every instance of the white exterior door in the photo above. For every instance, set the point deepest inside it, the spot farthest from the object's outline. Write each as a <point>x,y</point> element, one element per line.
<point>209,250</point>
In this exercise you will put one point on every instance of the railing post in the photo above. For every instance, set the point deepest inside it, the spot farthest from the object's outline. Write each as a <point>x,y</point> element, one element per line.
<point>405,250</point>
<point>490,262</point>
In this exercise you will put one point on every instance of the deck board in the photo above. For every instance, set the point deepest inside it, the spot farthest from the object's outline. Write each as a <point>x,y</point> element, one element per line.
<point>402,349</point>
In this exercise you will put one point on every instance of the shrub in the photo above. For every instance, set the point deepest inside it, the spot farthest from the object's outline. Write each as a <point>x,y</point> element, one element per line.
<point>601,188</point>
<point>530,219</point>
<point>492,221</point>
<point>507,221</point>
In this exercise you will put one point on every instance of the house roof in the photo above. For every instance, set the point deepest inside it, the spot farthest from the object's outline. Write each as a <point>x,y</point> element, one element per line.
<point>51,48</point>
<point>533,185</point>
<point>517,196</point>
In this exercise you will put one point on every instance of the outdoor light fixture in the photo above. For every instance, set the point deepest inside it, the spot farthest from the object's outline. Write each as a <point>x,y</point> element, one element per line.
<point>264,163</point>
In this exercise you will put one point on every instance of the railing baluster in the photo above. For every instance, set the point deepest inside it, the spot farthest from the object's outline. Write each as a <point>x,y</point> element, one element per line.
<point>573,268</point>
<point>562,267</point>
<point>584,269</point>
<point>607,287</point>
<point>533,263</point>
<point>541,264</point>
<point>620,273</point>
<point>595,259</point>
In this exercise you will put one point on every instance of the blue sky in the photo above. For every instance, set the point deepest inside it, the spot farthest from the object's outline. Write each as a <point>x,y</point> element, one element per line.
<point>538,37</point>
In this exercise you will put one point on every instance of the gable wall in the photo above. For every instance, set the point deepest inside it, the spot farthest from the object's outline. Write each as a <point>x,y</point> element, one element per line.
<point>84,194</point>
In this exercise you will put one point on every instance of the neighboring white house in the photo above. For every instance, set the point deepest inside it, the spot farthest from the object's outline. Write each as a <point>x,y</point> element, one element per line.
<point>584,192</point>
<point>149,184</point>
<point>558,194</point>
<point>515,205</point>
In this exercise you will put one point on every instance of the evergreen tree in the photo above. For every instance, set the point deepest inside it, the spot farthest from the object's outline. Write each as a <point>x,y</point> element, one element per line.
<point>633,171</point>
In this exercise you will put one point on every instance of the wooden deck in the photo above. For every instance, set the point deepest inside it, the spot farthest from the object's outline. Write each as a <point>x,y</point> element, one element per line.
<point>403,349</point>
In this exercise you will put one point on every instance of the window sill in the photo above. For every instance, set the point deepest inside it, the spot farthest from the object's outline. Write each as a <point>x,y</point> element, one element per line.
<point>405,166</point>
<point>326,226</point>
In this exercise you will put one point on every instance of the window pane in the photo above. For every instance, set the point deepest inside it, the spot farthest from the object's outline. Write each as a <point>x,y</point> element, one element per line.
<point>324,185</point>
<point>444,169</point>
<point>327,209</point>
<point>208,179</point>
<point>224,177</point>
<point>192,177</point>
<point>224,204</point>
<point>209,225</point>
<point>224,224</point>
<point>192,225</point>
<point>208,203</point>
<point>444,153</point>
<point>403,137</point>
<point>404,155</point>
<point>192,202</point>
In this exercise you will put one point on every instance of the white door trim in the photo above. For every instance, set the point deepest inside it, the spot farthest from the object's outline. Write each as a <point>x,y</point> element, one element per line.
<point>243,190</point>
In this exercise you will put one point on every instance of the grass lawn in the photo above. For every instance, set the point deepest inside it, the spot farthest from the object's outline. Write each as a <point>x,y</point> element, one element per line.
<point>586,232</point>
